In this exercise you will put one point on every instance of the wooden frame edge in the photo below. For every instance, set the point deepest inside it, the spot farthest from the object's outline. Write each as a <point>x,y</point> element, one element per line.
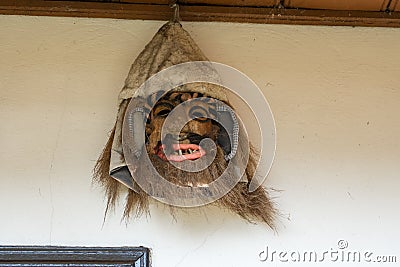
<point>57,256</point>
<point>200,13</point>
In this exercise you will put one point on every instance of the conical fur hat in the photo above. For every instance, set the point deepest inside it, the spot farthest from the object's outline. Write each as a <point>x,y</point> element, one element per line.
<point>171,45</point>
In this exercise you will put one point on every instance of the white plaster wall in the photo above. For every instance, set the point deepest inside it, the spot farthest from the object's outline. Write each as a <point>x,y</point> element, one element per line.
<point>335,94</point>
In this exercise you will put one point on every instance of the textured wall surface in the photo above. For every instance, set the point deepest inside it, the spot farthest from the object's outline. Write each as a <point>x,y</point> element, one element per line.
<point>335,95</point>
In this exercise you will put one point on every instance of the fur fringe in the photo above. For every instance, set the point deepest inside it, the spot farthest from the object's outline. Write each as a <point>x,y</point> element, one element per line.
<point>251,206</point>
<point>101,174</point>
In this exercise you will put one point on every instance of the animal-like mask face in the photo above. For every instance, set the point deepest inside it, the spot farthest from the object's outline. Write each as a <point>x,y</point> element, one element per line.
<point>180,139</point>
<point>193,121</point>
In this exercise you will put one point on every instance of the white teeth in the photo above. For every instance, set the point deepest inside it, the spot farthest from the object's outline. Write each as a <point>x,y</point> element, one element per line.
<point>180,152</point>
<point>190,151</point>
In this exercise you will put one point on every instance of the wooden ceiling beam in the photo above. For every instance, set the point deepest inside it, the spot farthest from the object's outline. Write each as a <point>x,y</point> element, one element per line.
<point>200,13</point>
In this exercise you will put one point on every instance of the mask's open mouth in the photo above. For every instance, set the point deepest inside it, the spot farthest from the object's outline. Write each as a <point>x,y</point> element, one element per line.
<point>180,152</point>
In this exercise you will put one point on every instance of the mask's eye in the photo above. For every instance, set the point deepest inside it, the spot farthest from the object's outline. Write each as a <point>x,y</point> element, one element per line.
<point>198,113</point>
<point>163,112</point>
<point>162,109</point>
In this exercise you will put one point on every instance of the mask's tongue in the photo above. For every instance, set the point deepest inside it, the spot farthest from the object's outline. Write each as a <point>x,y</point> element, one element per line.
<point>181,152</point>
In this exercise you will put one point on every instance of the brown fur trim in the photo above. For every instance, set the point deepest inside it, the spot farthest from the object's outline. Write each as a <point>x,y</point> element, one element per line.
<point>251,206</point>
<point>136,203</point>
<point>101,174</point>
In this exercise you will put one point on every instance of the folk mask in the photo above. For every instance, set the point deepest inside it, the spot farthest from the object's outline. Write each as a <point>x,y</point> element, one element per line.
<point>191,151</point>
